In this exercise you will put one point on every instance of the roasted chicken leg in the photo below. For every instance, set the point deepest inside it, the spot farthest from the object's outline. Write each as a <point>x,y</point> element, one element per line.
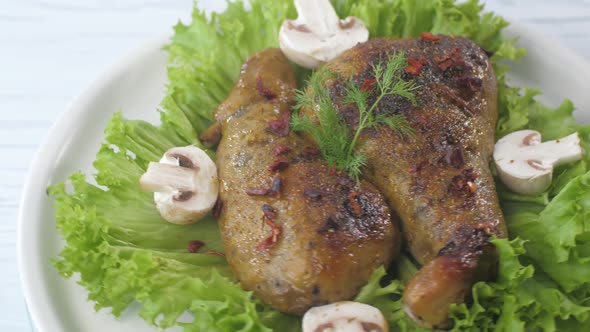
<point>294,232</point>
<point>438,181</point>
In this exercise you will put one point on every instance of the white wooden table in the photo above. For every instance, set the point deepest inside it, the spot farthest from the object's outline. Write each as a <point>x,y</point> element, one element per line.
<point>50,50</point>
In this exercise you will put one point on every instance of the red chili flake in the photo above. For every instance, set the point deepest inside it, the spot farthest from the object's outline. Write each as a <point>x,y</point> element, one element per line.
<point>469,84</point>
<point>429,37</point>
<point>368,84</point>
<point>414,66</point>
<point>275,189</point>
<point>194,246</point>
<point>280,126</point>
<point>263,90</point>
<point>465,107</point>
<point>417,167</point>
<point>214,252</point>
<point>278,165</point>
<point>257,192</point>
<point>281,149</point>
<point>453,59</point>
<point>445,64</point>
<point>272,239</point>
<point>311,151</point>
<point>217,208</point>
<point>354,204</point>
<point>268,218</point>
<point>333,170</point>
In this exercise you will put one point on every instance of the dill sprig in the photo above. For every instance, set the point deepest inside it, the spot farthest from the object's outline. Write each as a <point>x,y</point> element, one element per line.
<point>336,140</point>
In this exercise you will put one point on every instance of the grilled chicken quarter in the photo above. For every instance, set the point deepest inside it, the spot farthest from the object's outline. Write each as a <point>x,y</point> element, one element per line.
<point>294,232</point>
<point>438,181</point>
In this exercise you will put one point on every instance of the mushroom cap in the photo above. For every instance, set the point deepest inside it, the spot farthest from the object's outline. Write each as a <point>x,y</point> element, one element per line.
<point>345,316</point>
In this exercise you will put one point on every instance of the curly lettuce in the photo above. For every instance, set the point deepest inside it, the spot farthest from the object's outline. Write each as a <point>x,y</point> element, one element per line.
<point>125,253</point>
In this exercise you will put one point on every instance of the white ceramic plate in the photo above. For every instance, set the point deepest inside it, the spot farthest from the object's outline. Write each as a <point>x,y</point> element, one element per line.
<point>136,86</point>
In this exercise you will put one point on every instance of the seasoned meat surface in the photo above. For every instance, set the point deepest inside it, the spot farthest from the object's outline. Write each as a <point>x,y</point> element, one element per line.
<point>438,181</point>
<point>294,232</point>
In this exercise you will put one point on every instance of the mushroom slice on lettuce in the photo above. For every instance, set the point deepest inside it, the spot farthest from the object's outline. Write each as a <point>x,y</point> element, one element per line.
<point>319,35</point>
<point>345,316</point>
<point>525,165</point>
<point>184,183</point>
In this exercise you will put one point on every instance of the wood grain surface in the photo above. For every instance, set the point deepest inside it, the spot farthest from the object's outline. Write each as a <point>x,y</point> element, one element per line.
<point>50,51</point>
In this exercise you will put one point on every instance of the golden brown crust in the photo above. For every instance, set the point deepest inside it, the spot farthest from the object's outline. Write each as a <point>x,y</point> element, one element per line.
<point>331,233</point>
<point>439,181</point>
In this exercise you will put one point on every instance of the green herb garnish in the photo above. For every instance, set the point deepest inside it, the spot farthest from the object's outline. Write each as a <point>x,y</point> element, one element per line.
<point>337,140</point>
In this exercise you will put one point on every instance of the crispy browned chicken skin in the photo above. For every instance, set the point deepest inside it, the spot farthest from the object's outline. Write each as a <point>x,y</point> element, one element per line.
<point>295,233</point>
<point>439,181</point>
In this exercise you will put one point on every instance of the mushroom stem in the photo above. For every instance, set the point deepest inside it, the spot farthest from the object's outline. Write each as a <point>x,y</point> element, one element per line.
<point>319,15</point>
<point>165,177</point>
<point>556,152</point>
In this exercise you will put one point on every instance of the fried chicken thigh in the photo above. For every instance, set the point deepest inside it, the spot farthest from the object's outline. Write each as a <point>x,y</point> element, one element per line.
<point>294,232</point>
<point>438,181</point>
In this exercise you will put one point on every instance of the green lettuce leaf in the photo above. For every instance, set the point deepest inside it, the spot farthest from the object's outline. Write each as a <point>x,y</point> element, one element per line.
<point>125,253</point>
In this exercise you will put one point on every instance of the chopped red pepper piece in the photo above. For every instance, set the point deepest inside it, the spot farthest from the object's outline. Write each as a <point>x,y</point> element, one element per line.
<point>278,165</point>
<point>311,151</point>
<point>275,189</point>
<point>281,149</point>
<point>263,90</point>
<point>281,126</point>
<point>453,59</point>
<point>368,84</point>
<point>194,246</point>
<point>429,37</point>
<point>333,170</point>
<point>268,218</point>
<point>414,66</point>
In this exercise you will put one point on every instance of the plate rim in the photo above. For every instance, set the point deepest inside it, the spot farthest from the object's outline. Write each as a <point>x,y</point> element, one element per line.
<point>36,298</point>
<point>38,176</point>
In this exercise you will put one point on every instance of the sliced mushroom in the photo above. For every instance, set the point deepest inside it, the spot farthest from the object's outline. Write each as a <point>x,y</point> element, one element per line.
<point>184,183</point>
<point>344,316</point>
<point>318,35</point>
<point>525,165</point>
